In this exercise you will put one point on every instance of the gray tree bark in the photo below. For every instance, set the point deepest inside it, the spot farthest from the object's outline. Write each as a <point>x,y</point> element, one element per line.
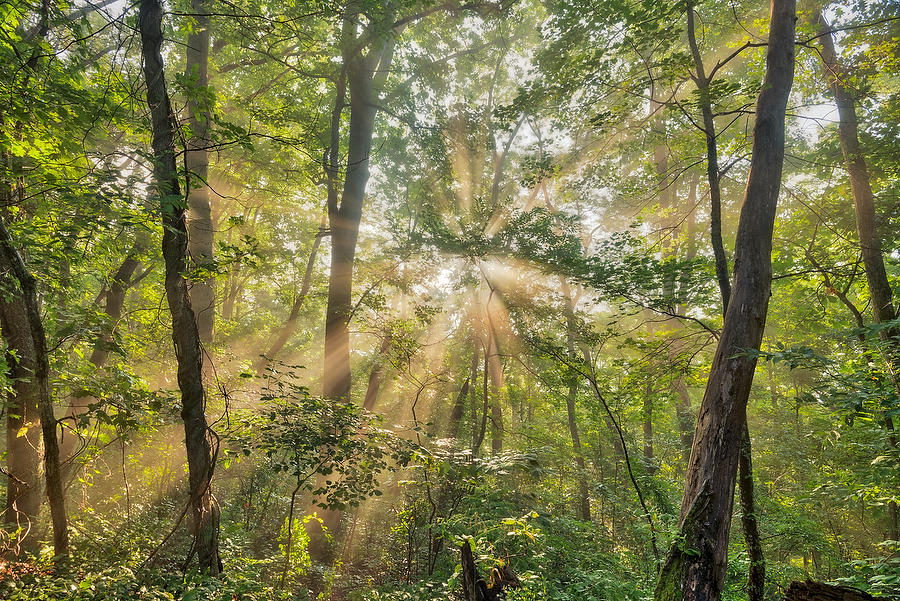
<point>185,335</point>
<point>694,569</point>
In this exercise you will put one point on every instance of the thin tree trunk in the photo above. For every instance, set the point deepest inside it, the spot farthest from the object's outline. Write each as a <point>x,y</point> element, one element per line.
<point>115,303</point>
<point>41,376</point>
<point>712,161</point>
<point>459,408</point>
<point>584,499</point>
<point>756,579</point>
<point>345,218</point>
<point>376,375</point>
<point>185,336</point>
<point>492,356</point>
<point>200,222</point>
<point>695,567</point>
<point>290,326</point>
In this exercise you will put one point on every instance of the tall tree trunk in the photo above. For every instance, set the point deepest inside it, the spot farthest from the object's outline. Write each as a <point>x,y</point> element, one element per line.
<point>23,434</point>
<point>749,522</point>
<point>200,222</point>
<point>344,219</point>
<point>695,567</point>
<point>495,372</point>
<point>866,221</point>
<point>185,336</point>
<point>53,478</point>
<point>584,499</point>
<point>712,160</point>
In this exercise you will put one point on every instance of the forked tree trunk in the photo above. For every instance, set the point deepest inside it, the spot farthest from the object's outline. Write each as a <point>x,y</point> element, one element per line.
<point>198,437</point>
<point>866,223</point>
<point>362,83</point>
<point>41,378</point>
<point>694,569</point>
<point>200,223</point>
<point>749,523</point>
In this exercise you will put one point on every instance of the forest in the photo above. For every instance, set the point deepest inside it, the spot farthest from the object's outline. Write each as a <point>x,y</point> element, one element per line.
<point>386,300</point>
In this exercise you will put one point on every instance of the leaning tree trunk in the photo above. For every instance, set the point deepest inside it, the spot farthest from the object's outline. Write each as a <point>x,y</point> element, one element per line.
<point>290,326</point>
<point>749,523</point>
<point>866,222</point>
<point>53,478</point>
<point>695,566</point>
<point>198,436</point>
<point>23,436</point>
<point>115,303</point>
<point>200,223</point>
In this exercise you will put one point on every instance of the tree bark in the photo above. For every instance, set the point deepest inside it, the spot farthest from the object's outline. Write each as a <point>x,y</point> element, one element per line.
<point>344,219</point>
<point>23,434</point>
<point>584,498</point>
<point>376,375</point>
<point>695,567</point>
<point>200,224</point>
<point>866,222</point>
<point>115,303</point>
<point>185,335</point>
<point>41,378</point>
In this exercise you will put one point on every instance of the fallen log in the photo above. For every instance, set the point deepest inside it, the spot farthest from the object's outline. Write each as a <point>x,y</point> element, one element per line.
<point>819,591</point>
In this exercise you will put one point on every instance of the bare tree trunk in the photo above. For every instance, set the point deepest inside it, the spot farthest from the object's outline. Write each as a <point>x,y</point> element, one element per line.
<point>376,375</point>
<point>712,160</point>
<point>749,522</point>
<point>695,567</point>
<point>495,371</point>
<point>200,222</point>
<point>866,222</point>
<point>201,453</point>
<point>41,377</point>
<point>756,579</point>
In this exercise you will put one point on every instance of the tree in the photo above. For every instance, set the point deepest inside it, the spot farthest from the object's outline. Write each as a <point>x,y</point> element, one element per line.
<point>695,566</point>
<point>199,438</point>
<point>200,223</point>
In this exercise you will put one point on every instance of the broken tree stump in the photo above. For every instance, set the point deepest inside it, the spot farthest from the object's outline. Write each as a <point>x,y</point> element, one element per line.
<point>818,591</point>
<point>475,588</point>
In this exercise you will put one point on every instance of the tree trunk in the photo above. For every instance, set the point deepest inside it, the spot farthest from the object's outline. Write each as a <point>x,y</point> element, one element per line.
<point>712,161</point>
<point>115,303</point>
<point>41,378</point>
<point>495,372</point>
<point>185,335</point>
<point>376,375</point>
<point>290,326</point>
<point>866,222</point>
<point>695,567</point>
<point>200,223</point>
<point>584,499</point>
<point>756,579</point>
<point>344,219</point>
<point>23,435</point>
